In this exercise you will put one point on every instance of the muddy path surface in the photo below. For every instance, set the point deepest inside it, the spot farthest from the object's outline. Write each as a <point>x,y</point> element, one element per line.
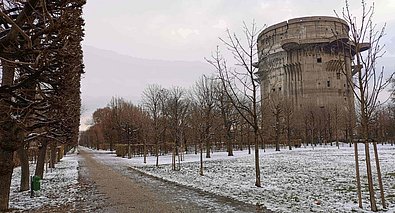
<point>118,188</point>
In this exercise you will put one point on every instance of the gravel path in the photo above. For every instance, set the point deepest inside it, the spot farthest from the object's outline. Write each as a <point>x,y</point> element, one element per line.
<point>121,193</point>
<point>116,188</point>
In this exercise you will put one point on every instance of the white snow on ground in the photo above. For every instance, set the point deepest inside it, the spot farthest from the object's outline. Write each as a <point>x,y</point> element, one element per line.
<point>58,188</point>
<point>301,180</point>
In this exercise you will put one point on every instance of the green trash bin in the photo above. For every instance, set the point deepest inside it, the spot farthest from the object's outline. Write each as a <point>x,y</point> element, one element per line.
<point>36,183</point>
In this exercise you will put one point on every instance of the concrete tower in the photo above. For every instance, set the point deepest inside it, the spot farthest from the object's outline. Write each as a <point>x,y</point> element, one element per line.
<point>307,61</point>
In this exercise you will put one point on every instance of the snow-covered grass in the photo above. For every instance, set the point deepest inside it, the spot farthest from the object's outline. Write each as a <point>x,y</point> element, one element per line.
<point>301,180</point>
<point>58,187</point>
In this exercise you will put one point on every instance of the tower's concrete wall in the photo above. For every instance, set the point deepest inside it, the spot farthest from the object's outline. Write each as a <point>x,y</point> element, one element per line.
<point>304,60</point>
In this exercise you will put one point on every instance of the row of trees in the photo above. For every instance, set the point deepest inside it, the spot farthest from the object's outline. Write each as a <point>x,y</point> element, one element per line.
<point>41,66</point>
<point>170,120</point>
<point>204,116</point>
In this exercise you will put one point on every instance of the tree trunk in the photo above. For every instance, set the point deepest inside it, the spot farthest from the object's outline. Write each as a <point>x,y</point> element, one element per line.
<point>201,158</point>
<point>128,137</point>
<point>66,149</point>
<point>208,148</point>
<point>289,131</point>
<point>207,135</point>
<point>157,152</point>
<point>179,160</point>
<point>145,151</point>
<point>52,161</point>
<point>8,137</point>
<point>261,137</point>
<point>257,169</point>
<point>173,158</point>
<point>277,126</point>
<point>185,144</point>
<point>42,151</point>
<point>111,145</point>
<point>277,142</point>
<point>229,142</point>
<point>196,146</point>
<point>306,134</point>
<point>25,175</point>
<point>6,169</point>
<point>357,176</point>
<point>336,136</point>
<point>376,156</point>
<point>370,178</point>
<point>248,141</point>
<point>59,155</point>
<point>365,131</point>
<point>313,142</point>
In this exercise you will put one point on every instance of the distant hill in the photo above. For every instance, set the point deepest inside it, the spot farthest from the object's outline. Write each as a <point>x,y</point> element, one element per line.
<point>111,74</point>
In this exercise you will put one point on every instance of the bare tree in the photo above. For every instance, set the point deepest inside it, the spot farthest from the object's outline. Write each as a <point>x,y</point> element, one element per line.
<point>204,96</point>
<point>152,102</point>
<point>103,117</point>
<point>366,48</point>
<point>242,83</point>
<point>227,112</point>
<point>335,111</point>
<point>196,123</point>
<point>289,120</point>
<point>176,106</point>
<point>276,109</point>
<point>204,103</point>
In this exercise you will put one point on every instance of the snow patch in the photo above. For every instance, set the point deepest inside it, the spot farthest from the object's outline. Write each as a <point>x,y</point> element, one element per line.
<point>301,180</point>
<point>58,187</point>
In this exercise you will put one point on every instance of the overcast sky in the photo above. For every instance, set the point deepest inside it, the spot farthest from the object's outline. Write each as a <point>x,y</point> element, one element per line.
<point>188,30</point>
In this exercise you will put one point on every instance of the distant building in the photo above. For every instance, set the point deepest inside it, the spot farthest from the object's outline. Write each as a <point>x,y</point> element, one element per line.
<point>307,61</point>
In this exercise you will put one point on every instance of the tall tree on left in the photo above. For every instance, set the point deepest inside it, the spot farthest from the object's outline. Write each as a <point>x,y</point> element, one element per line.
<point>41,66</point>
